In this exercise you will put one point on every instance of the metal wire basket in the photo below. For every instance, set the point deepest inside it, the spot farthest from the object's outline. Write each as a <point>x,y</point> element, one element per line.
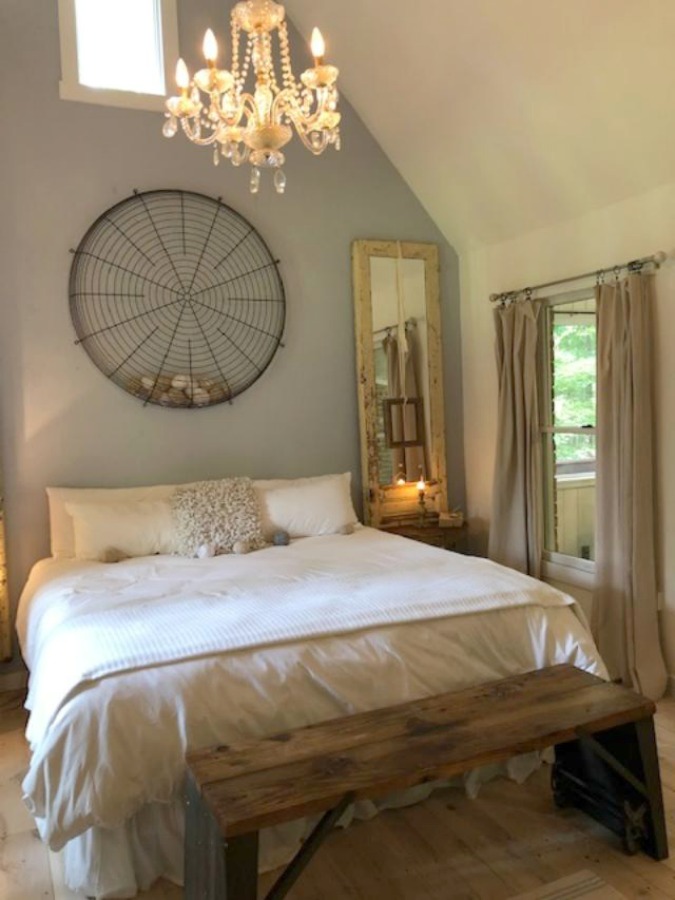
<point>177,299</point>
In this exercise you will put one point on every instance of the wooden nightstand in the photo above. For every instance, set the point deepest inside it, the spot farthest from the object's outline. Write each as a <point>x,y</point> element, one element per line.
<point>448,538</point>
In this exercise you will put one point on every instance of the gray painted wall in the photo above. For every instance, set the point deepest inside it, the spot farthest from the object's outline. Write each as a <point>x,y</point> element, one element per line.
<point>62,164</point>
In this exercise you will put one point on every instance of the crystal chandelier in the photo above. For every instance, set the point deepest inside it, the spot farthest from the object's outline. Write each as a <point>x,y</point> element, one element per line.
<point>254,124</point>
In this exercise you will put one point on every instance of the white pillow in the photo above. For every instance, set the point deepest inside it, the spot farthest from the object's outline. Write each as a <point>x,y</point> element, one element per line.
<point>306,506</point>
<point>61,531</point>
<point>133,528</point>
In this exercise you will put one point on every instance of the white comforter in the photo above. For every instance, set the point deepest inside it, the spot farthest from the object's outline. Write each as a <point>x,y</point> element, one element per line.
<point>134,663</point>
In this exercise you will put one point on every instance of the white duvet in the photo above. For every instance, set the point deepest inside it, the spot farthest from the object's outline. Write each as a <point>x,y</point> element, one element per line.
<point>132,664</point>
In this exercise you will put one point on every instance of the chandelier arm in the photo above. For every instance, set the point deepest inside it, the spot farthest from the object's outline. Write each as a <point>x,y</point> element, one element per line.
<point>286,102</point>
<point>304,125</point>
<point>193,133</point>
<point>247,108</point>
<point>289,104</point>
<point>316,147</point>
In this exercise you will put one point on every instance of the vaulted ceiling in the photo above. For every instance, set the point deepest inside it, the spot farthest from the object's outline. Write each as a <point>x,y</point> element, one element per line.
<point>509,115</point>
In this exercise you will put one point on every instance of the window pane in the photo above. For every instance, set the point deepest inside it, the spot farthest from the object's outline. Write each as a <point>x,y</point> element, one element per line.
<point>573,342</point>
<point>569,479</point>
<point>119,45</point>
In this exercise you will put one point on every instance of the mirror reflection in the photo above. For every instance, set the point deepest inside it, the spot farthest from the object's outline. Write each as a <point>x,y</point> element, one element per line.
<point>400,353</point>
<point>398,358</point>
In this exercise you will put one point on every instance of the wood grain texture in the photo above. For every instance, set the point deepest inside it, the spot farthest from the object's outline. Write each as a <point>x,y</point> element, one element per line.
<point>382,502</point>
<point>507,841</point>
<point>371,754</point>
<point>454,539</point>
<point>24,871</point>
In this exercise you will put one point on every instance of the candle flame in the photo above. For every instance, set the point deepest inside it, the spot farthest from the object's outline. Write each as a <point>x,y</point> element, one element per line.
<point>182,75</point>
<point>210,46</point>
<point>317,44</point>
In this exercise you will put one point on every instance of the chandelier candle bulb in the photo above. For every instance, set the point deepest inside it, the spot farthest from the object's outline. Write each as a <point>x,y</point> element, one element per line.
<point>251,122</point>
<point>210,48</point>
<point>318,46</point>
<point>182,77</point>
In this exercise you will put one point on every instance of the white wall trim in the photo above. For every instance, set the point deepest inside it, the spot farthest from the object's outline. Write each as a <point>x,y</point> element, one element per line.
<point>104,97</point>
<point>69,85</point>
<point>576,575</point>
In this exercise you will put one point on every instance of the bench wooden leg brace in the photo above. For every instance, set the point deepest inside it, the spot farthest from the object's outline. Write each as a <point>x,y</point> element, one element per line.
<point>217,869</point>
<point>614,777</point>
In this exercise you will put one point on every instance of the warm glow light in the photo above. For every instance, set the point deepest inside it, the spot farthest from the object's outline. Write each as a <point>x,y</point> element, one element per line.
<point>421,486</point>
<point>246,113</point>
<point>210,46</point>
<point>317,44</point>
<point>182,75</point>
<point>400,480</point>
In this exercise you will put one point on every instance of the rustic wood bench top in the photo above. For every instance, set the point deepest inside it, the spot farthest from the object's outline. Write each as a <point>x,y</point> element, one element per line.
<point>263,782</point>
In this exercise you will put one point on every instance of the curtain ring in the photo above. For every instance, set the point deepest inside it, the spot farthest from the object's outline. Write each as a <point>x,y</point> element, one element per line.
<point>617,270</point>
<point>528,293</point>
<point>600,277</point>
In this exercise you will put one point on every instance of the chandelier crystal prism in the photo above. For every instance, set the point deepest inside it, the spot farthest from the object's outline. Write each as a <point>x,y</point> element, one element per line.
<point>252,124</point>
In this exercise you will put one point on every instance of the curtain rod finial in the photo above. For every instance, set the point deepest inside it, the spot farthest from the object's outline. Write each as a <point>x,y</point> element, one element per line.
<point>660,257</point>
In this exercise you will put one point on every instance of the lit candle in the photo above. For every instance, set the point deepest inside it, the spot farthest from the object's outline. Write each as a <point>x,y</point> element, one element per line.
<point>318,46</point>
<point>421,486</point>
<point>182,76</point>
<point>210,48</point>
<point>400,479</point>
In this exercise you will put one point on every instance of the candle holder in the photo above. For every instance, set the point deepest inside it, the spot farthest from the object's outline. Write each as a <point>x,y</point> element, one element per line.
<point>421,493</point>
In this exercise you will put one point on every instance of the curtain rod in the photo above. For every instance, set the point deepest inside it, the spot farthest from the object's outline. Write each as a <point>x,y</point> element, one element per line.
<point>635,265</point>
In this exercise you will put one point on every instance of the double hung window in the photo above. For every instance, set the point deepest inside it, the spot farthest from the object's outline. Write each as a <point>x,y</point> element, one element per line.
<point>568,380</point>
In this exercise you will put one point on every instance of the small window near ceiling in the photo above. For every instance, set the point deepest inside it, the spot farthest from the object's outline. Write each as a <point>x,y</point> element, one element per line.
<point>117,52</point>
<point>569,382</point>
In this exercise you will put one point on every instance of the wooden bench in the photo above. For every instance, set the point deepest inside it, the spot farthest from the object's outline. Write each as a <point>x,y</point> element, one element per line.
<point>605,764</point>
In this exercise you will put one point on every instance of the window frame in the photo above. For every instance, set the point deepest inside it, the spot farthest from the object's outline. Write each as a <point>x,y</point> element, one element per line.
<point>70,87</point>
<point>573,570</point>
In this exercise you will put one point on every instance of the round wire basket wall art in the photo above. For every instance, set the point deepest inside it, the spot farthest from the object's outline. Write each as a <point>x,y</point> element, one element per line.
<point>177,299</point>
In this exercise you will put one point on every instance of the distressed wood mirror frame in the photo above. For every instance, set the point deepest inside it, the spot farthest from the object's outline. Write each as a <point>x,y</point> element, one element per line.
<point>389,504</point>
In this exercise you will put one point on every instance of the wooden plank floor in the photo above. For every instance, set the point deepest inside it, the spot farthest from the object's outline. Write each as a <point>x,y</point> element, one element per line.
<point>508,841</point>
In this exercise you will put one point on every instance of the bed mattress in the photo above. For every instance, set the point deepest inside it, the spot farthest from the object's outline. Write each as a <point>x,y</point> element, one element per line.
<point>134,664</point>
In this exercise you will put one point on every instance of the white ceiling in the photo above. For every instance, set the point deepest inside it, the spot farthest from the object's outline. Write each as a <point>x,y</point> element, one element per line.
<point>508,115</point>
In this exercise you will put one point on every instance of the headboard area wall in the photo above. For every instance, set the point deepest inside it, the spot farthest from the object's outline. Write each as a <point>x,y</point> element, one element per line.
<point>62,422</point>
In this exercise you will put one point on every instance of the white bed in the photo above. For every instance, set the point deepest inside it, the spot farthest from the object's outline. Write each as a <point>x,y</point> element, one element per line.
<point>134,663</point>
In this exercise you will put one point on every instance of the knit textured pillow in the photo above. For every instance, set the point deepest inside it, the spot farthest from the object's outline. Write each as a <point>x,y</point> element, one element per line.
<point>217,513</point>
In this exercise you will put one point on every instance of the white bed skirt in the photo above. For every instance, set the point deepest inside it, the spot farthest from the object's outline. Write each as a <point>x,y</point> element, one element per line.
<point>150,844</point>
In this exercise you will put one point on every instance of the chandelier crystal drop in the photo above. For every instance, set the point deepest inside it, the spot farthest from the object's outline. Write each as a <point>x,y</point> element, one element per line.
<point>252,124</point>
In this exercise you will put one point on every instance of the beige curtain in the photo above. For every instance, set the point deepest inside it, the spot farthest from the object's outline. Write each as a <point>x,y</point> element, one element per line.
<point>412,458</point>
<point>625,617</point>
<point>5,623</point>
<point>515,529</point>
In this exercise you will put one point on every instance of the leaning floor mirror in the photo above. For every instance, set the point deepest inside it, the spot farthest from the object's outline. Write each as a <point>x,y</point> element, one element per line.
<point>400,385</point>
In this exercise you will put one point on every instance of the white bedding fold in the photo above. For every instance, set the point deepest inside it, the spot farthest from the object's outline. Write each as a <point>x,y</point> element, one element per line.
<point>160,610</point>
<point>378,620</point>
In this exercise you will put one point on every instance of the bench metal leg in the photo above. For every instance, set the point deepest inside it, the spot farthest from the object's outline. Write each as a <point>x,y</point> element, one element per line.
<point>216,869</point>
<point>614,777</point>
<point>656,842</point>
<point>297,865</point>
<point>241,868</point>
